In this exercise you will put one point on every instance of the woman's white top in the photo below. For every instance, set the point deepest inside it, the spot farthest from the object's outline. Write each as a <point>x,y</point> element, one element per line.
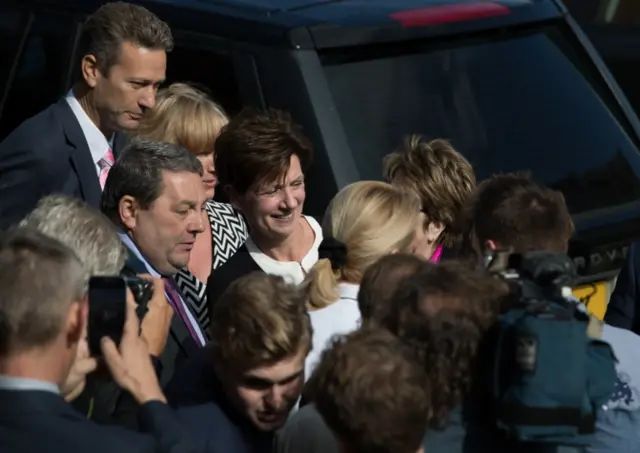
<point>339,318</point>
<point>292,271</point>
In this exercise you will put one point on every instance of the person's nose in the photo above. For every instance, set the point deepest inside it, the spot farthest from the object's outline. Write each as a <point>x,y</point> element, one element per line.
<point>196,222</point>
<point>148,98</point>
<point>276,397</point>
<point>288,201</point>
<point>209,166</point>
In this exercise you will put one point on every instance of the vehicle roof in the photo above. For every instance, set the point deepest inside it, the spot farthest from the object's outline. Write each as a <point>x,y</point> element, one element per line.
<point>318,23</point>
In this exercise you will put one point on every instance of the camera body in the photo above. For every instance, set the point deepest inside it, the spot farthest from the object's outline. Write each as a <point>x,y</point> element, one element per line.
<point>545,276</point>
<point>108,306</point>
<point>142,291</point>
<point>542,333</point>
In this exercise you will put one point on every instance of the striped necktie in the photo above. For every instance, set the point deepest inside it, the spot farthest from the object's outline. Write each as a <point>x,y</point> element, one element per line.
<point>105,165</point>
<point>176,302</point>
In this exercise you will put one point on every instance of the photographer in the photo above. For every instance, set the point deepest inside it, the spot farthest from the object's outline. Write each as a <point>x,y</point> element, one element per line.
<point>512,211</point>
<point>43,321</point>
<point>94,240</point>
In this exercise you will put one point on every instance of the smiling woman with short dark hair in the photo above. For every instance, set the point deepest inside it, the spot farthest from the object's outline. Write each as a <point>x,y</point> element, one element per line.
<point>261,157</point>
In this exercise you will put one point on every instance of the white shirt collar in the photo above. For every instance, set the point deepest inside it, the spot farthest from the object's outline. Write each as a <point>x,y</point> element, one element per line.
<point>348,291</point>
<point>15,383</point>
<point>292,272</point>
<point>98,143</point>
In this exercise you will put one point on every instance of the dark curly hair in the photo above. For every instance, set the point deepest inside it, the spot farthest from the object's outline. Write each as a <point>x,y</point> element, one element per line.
<point>371,392</point>
<point>445,313</point>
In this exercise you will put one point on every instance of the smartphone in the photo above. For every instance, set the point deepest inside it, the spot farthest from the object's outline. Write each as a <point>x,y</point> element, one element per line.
<point>107,311</point>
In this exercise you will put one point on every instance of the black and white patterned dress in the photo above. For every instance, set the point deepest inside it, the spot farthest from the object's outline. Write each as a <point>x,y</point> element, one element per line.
<point>229,231</point>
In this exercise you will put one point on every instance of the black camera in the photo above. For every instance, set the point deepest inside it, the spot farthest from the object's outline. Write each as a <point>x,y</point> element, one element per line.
<point>142,291</point>
<point>539,275</point>
<point>108,306</point>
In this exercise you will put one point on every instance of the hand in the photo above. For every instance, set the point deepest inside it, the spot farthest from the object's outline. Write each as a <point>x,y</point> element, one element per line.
<point>82,365</point>
<point>157,321</point>
<point>131,365</point>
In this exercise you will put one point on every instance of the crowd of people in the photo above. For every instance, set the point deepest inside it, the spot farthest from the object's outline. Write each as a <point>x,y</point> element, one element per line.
<point>369,330</point>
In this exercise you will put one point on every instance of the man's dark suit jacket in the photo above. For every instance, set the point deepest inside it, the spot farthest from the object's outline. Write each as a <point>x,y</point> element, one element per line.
<point>622,310</point>
<point>111,405</point>
<point>34,421</point>
<point>212,423</point>
<point>180,345</point>
<point>47,154</point>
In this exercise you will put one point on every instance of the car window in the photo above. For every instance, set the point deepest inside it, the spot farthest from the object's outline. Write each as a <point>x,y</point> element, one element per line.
<point>41,70</point>
<point>510,104</point>
<point>211,70</point>
<point>12,26</point>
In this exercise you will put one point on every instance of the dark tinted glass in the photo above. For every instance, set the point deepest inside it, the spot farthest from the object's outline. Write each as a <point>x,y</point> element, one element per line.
<point>41,70</point>
<point>12,25</point>
<point>208,70</point>
<point>519,103</point>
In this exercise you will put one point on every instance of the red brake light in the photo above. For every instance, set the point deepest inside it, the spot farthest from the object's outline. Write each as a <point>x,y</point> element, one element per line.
<point>448,13</point>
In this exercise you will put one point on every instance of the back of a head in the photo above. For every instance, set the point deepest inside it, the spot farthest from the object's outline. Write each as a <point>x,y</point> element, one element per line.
<point>440,175</point>
<point>138,172</point>
<point>115,23</point>
<point>259,320</point>
<point>185,116</point>
<point>82,228</point>
<point>372,393</point>
<point>515,212</point>
<point>372,219</point>
<point>445,313</point>
<point>41,278</point>
<point>257,146</point>
<point>381,280</point>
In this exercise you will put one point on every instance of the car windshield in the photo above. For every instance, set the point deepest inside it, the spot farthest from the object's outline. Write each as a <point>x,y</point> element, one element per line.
<point>509,104</point>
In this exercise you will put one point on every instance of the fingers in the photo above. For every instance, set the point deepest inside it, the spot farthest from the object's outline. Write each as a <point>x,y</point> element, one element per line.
<point>158,286</point>
<point>114,361</point>
<point>86,366</point>
<point>158,298</point>
<point>132,323</point>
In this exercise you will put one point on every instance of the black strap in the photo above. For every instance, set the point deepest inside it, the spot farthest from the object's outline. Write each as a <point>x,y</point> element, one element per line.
<point>519,414</point>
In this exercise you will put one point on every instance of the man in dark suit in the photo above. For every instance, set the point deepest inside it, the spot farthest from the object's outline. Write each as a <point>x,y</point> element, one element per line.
<point>154,194</point>
<point>235,393</point>
<point>69,147</point>
<point>45,324</point>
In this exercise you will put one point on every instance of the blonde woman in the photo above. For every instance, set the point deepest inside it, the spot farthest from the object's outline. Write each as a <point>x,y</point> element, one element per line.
<point>444,180</point>
<point>186,116</point>
<point>364,222</point>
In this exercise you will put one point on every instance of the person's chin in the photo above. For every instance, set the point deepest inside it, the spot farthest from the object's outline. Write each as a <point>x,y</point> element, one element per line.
<point>269,426</point>
<point>179,260</point>
<point>129,123</point>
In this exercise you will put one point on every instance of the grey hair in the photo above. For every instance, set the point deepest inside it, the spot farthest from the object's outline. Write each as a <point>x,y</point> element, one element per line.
<point>40,279</point>
<point>138,172</point>
<point>85,230</point>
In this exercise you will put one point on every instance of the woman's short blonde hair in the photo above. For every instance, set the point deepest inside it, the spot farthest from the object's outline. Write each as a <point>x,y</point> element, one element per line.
<point>372,219</point>
<point>442,177</point>
<point>185,116</point>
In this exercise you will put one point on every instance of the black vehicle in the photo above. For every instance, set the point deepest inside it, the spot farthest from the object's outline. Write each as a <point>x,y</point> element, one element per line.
<point>514,84</point>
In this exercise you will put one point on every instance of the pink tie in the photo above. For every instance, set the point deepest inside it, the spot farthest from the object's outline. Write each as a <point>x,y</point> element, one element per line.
<point>105,165</point>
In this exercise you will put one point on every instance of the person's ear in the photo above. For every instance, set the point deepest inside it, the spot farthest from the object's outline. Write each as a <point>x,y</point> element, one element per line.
<point>76,323</point>
<point>434,230</point>
<point>128,208</point>
<point>90,72</point>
